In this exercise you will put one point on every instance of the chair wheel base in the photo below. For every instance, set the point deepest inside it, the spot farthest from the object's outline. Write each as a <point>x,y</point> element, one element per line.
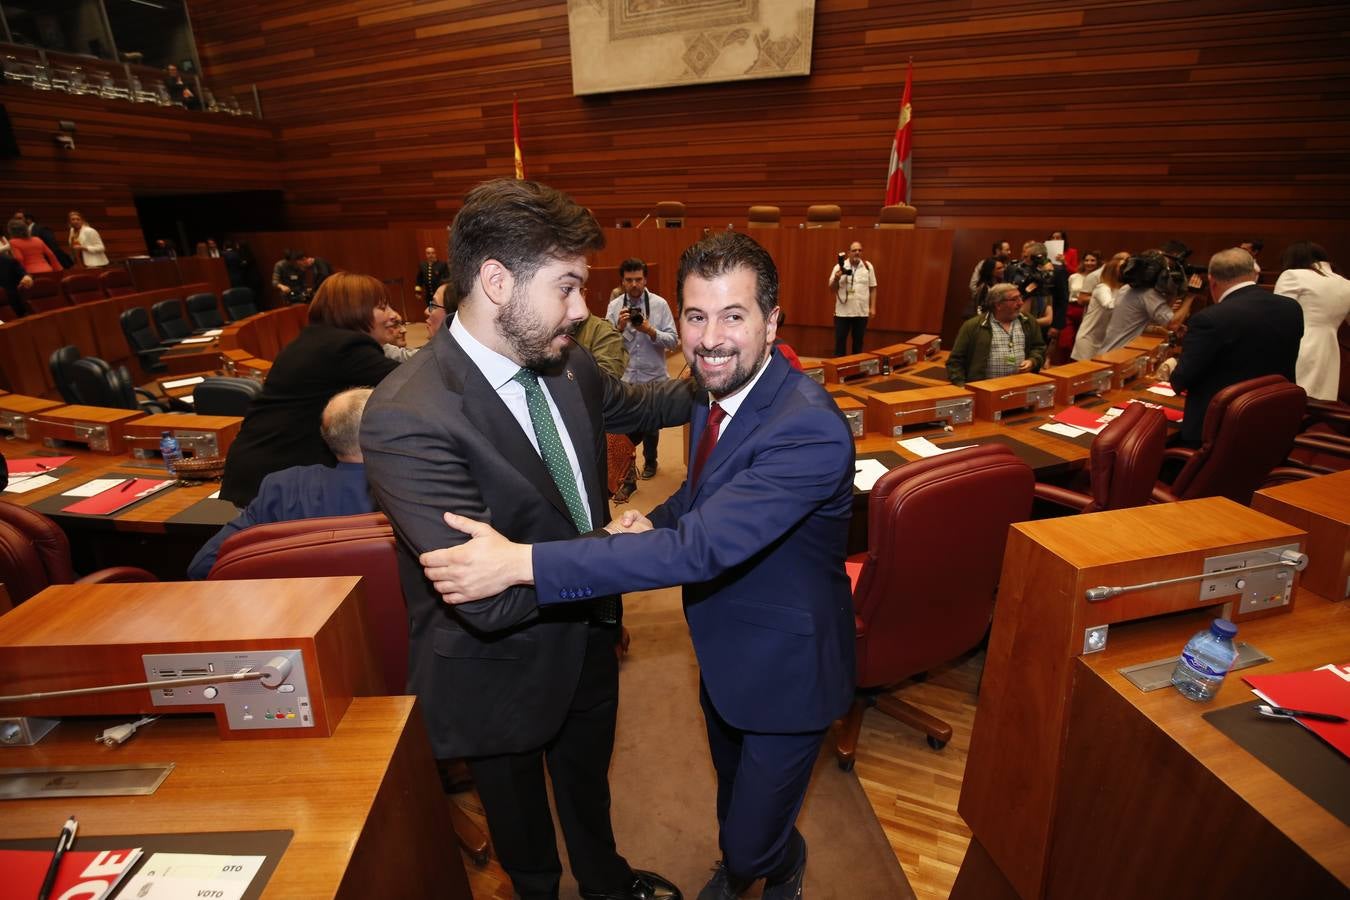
<point>935,743</point>
<point>846,765</point>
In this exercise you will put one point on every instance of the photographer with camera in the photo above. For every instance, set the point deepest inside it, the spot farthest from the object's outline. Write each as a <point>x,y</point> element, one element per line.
<point>1043,285</point>
<point>648,329</point>
<point>1153,280</point>
<point>853,282</point>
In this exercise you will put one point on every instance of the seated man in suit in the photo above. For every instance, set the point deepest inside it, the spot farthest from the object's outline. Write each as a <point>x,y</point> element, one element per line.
<point>757,536</point>
<point>1003,340</point>
<point>307,492</point>
<point>1248,332</point>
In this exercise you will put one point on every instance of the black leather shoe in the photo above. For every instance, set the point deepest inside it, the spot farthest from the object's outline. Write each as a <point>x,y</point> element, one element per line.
<point>790,886</point>
<point>645,886</point>
<point>648,471</point>
<point>723,885</point>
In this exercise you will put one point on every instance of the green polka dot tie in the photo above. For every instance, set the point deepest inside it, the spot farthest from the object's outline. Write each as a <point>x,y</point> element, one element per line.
<point>551,448</point>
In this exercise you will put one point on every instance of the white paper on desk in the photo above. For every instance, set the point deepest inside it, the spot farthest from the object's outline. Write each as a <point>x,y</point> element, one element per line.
<point>214,495</point>
<point>1061,428</point>
<point>1053,250</point>
<point>92,488</point>
<point>32,482</point>
<point>922,446</point>
<point>189,399</point>
<point>866,472</point>
<point>187,876</point>
<point>182,382</point>
<point>212,333</point>
<point>1163,389</point>
<point>196,340</point>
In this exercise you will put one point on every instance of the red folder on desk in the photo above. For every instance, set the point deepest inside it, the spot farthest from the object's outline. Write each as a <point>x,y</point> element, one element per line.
<point>1325,689</point>
<point>83,873</point>
<point>36,465</point>
<point>114,498</point>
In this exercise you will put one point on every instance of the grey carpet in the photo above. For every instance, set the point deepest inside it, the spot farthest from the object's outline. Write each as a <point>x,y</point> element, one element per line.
<point>664,787</point>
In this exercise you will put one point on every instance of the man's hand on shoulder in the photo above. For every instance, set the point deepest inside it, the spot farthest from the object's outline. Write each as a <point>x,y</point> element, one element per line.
<point>483,566</point>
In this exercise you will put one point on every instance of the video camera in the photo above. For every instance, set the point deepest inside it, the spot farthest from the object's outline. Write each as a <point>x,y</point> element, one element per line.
<point>1031,277</point>
<point>1164,271</point>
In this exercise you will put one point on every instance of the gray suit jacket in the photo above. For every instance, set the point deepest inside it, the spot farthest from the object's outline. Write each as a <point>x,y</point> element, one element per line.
<point>497,675</point>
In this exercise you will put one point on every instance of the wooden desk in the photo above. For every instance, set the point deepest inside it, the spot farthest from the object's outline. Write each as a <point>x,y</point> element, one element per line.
<point>1321,507</point>
<point>365,804</point>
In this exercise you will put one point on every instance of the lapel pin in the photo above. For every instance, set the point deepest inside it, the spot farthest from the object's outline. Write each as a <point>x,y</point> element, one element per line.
<point>570,376</point>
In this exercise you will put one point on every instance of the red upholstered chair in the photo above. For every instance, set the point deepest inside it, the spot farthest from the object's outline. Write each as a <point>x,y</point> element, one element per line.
<point>82,287</point>
<point>116,282</point>
<point>924,591</point>
<point>343,545</point>
<point>1123,463</point>
<point>43,295</point>
<point>35,553</point>
<point>1249,430</point>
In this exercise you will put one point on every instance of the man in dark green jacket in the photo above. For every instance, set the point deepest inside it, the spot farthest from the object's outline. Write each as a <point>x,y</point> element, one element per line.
<point>1001,341</point>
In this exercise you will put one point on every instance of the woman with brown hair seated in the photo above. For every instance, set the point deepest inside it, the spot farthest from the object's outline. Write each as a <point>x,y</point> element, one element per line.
<point>340,348</point>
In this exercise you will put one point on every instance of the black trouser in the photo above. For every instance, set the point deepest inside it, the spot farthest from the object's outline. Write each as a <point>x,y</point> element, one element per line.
<point>843,327</point>
<point>512,789</point>
<point>647,440</point>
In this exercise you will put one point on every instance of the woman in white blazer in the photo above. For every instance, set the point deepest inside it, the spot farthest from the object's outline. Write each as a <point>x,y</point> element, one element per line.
<point>1325,298</point>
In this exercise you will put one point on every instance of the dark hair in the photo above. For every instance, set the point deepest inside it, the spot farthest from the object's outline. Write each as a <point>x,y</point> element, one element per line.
<point>997,247</point>
<point>1304,255</point>
<point>347,300</point>
<point>1257,245</point>
<point>521,224</point>
<point>632,264</point>
<point>986,276</point>
<point>1063,235</point>
<point>1095,254</point>
<point>17,227</point>
<point>723,252</point>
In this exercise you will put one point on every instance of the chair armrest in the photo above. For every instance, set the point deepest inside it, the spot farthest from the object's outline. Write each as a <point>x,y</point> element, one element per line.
<point>1183,454</point>
<point>1285,474</point>
<point>1060,496</point>
<point>117,575</point>
<point>1336,415</point>
<point>1324,443</point>
<point>1163,495</point>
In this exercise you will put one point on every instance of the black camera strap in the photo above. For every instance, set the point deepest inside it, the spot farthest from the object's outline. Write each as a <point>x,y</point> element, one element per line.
<point>646,303</point>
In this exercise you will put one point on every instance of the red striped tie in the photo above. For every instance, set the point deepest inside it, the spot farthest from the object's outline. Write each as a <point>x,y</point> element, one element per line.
<point>707,441</point>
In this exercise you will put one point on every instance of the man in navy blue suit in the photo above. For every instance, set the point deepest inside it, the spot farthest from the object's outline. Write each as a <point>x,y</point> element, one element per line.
<point>756,535</point>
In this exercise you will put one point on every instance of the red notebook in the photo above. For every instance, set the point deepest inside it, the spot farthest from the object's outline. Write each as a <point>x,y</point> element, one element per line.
<point>36,465</point>
<point>1085,419</point>
<point>114,498</point>
<point>86,874</point>
<point>1324,689</point>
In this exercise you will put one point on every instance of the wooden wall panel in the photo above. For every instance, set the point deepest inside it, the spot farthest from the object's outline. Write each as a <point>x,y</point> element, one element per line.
<point>1206,114</point>
<point>123,149</point>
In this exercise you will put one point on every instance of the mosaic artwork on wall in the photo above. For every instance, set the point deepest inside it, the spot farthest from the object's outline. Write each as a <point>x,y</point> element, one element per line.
<point>623,45</point>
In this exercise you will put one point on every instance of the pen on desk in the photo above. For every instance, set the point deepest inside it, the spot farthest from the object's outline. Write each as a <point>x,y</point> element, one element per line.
<point>43,466</point>
<point>128,485</point>
<point>63,842</point>
<point>1281,712</point>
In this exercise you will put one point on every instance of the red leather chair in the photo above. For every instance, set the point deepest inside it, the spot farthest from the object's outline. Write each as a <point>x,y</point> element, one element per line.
<point>924,590</point>
<point>35,553</point>
<point>343,545</point>
<point>116,282</point>
<point>43,295</point>
<point>1249,430</point>
<point>82,287</point>
<point>1123,463</point>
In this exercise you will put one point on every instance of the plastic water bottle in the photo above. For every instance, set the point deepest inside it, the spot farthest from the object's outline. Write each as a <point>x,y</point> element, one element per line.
<point>1205,660</point>
<point>169,449</point>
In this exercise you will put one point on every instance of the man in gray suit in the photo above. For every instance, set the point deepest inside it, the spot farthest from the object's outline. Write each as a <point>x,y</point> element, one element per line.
<point>502,418</point>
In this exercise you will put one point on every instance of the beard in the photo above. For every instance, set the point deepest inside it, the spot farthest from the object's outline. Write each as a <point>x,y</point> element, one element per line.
<point>726,380</point>
<point>530,339</point>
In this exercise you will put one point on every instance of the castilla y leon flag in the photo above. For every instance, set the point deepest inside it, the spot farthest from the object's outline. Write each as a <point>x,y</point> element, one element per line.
<point>898,176</point>
<point>515,138</point>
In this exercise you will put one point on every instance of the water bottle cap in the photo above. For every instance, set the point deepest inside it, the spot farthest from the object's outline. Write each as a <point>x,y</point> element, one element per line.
<point>1223,628</point>
<point>166,433</point>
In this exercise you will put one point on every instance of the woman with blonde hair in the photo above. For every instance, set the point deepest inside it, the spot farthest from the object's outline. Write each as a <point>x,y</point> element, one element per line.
<point>1097,315</point>
<point>340,348</point>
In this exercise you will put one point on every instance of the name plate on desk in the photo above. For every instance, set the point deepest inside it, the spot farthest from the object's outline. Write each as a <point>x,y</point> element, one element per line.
<point>995,396</point>
<point>15,410</point>
<point>1078,378</point>
<point>891,413</point>
<point>896,357</point>
<point>1126,365</point>
<point>102,430</point>
<point>928,345</point>
<point>847,368</point>
<point>854,413</point>
<point>199,436</point>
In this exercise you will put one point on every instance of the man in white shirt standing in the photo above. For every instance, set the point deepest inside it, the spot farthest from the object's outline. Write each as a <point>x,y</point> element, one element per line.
<point>86,243</point>
<point>854,284</point>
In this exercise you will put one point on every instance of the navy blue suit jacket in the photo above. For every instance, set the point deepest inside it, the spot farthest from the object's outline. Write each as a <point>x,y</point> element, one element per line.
<point>300,492</point>
<point>759,546</point>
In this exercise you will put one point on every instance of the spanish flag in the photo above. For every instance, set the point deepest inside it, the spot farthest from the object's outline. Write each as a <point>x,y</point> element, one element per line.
<point>898,176</point>
<point>515,137</point>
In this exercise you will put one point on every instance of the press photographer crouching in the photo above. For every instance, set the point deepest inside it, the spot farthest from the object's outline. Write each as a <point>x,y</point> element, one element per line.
<point>1153,280</point>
